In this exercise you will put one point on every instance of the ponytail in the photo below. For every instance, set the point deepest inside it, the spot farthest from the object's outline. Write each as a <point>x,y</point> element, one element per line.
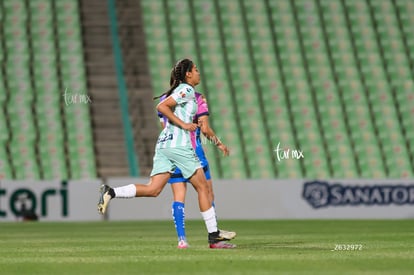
<point>177,76</point>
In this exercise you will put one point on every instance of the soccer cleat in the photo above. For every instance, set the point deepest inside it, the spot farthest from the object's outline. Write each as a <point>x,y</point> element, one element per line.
<point>222,245</point>
<point>227,235</point>
<point>215,237</point>
<point>217,241</point>
<point>104,198</point>
<point>182,244</point>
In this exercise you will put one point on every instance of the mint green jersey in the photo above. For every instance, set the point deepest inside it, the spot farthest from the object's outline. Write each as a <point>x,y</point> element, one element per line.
<point>186,108</point>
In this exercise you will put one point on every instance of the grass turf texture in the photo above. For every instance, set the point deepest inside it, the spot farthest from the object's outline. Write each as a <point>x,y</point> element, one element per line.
<point>264,247</point>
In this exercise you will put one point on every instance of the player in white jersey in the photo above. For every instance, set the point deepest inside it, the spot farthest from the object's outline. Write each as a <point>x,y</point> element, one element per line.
<point>174,149</point>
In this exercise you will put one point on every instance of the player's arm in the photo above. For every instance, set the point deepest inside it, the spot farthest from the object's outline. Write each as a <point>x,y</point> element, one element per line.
<point>209,133</point>
<point>166,106</point>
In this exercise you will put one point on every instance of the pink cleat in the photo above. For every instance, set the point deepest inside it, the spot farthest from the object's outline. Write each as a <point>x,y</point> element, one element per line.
<point>219,242</point>
<point>182,244</point>
<point>222,245</point>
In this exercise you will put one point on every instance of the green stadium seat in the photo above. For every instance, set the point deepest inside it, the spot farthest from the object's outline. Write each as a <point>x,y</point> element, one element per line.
<point>155,29</point>
<point>289,169</point>
<point>183,45</point>
<point>216,80</point>
<point>409,135</point>
<point>82,162</point>
<point>32,76</point>
<point>4,133</point>
<point>213,157</point>
<point>14,8</point>
<point>306,45</point>
<point>233,167</point>
<point>24,160</point>
<point>286,167</point>
<point>369,157</point>
<point>405,10</point>
<point>40,7</point>
<point>17,46</point>
<point>342,161</point>
<point>53,160</point>
<point>5,168</point>
<point>316,168</point>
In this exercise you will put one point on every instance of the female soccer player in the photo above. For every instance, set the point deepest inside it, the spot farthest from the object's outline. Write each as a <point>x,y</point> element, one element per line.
<point>174,149</point>
<point>179,183</point>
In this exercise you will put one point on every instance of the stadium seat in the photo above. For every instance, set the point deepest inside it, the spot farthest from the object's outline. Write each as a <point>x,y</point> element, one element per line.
<point>4,133</point>
<point>32,104</point>
<point>158,48</point>
<point>5,167</point>
<point>240,69</point>
<point>76,116</point>
<point>320,74</point>
<point>24,160</point>
<point>218,91</point>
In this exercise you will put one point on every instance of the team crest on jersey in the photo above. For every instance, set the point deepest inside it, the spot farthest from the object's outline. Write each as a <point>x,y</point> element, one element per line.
<point>183,94</point>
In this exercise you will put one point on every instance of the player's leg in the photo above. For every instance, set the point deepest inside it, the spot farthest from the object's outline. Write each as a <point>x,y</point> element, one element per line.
<point>198,180</point>
<point>186,159</point>
<point>179,189</point>
<point>154,187</point>
<point>151,189</point>
<point>178,211</point>
<point>160,175</point>
<point>207,174</point>
<point>227,235</point>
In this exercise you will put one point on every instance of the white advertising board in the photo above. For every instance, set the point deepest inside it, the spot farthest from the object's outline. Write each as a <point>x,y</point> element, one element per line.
<point>234,199</point>
<point>49,200</point>
<point>281,199</point>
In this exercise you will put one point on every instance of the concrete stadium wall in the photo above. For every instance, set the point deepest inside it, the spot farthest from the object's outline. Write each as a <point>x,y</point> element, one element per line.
<point>235,199</point>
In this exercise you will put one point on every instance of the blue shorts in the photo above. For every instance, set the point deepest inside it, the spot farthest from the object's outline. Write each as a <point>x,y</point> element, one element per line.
<point>177,176</point>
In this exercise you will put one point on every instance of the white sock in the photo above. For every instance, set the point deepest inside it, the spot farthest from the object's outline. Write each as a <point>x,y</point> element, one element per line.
<point>209,217</point>
<point>126,191</point>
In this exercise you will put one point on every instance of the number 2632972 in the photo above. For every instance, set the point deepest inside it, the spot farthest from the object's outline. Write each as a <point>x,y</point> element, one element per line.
<point>347,247</point>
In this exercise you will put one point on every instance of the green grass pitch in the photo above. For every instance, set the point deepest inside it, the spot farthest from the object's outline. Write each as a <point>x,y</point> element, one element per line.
<point>264,247</point>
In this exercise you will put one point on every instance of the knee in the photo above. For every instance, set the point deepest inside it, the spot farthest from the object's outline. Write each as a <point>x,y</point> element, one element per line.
<point>155,192</point>
<point>201,188</point>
